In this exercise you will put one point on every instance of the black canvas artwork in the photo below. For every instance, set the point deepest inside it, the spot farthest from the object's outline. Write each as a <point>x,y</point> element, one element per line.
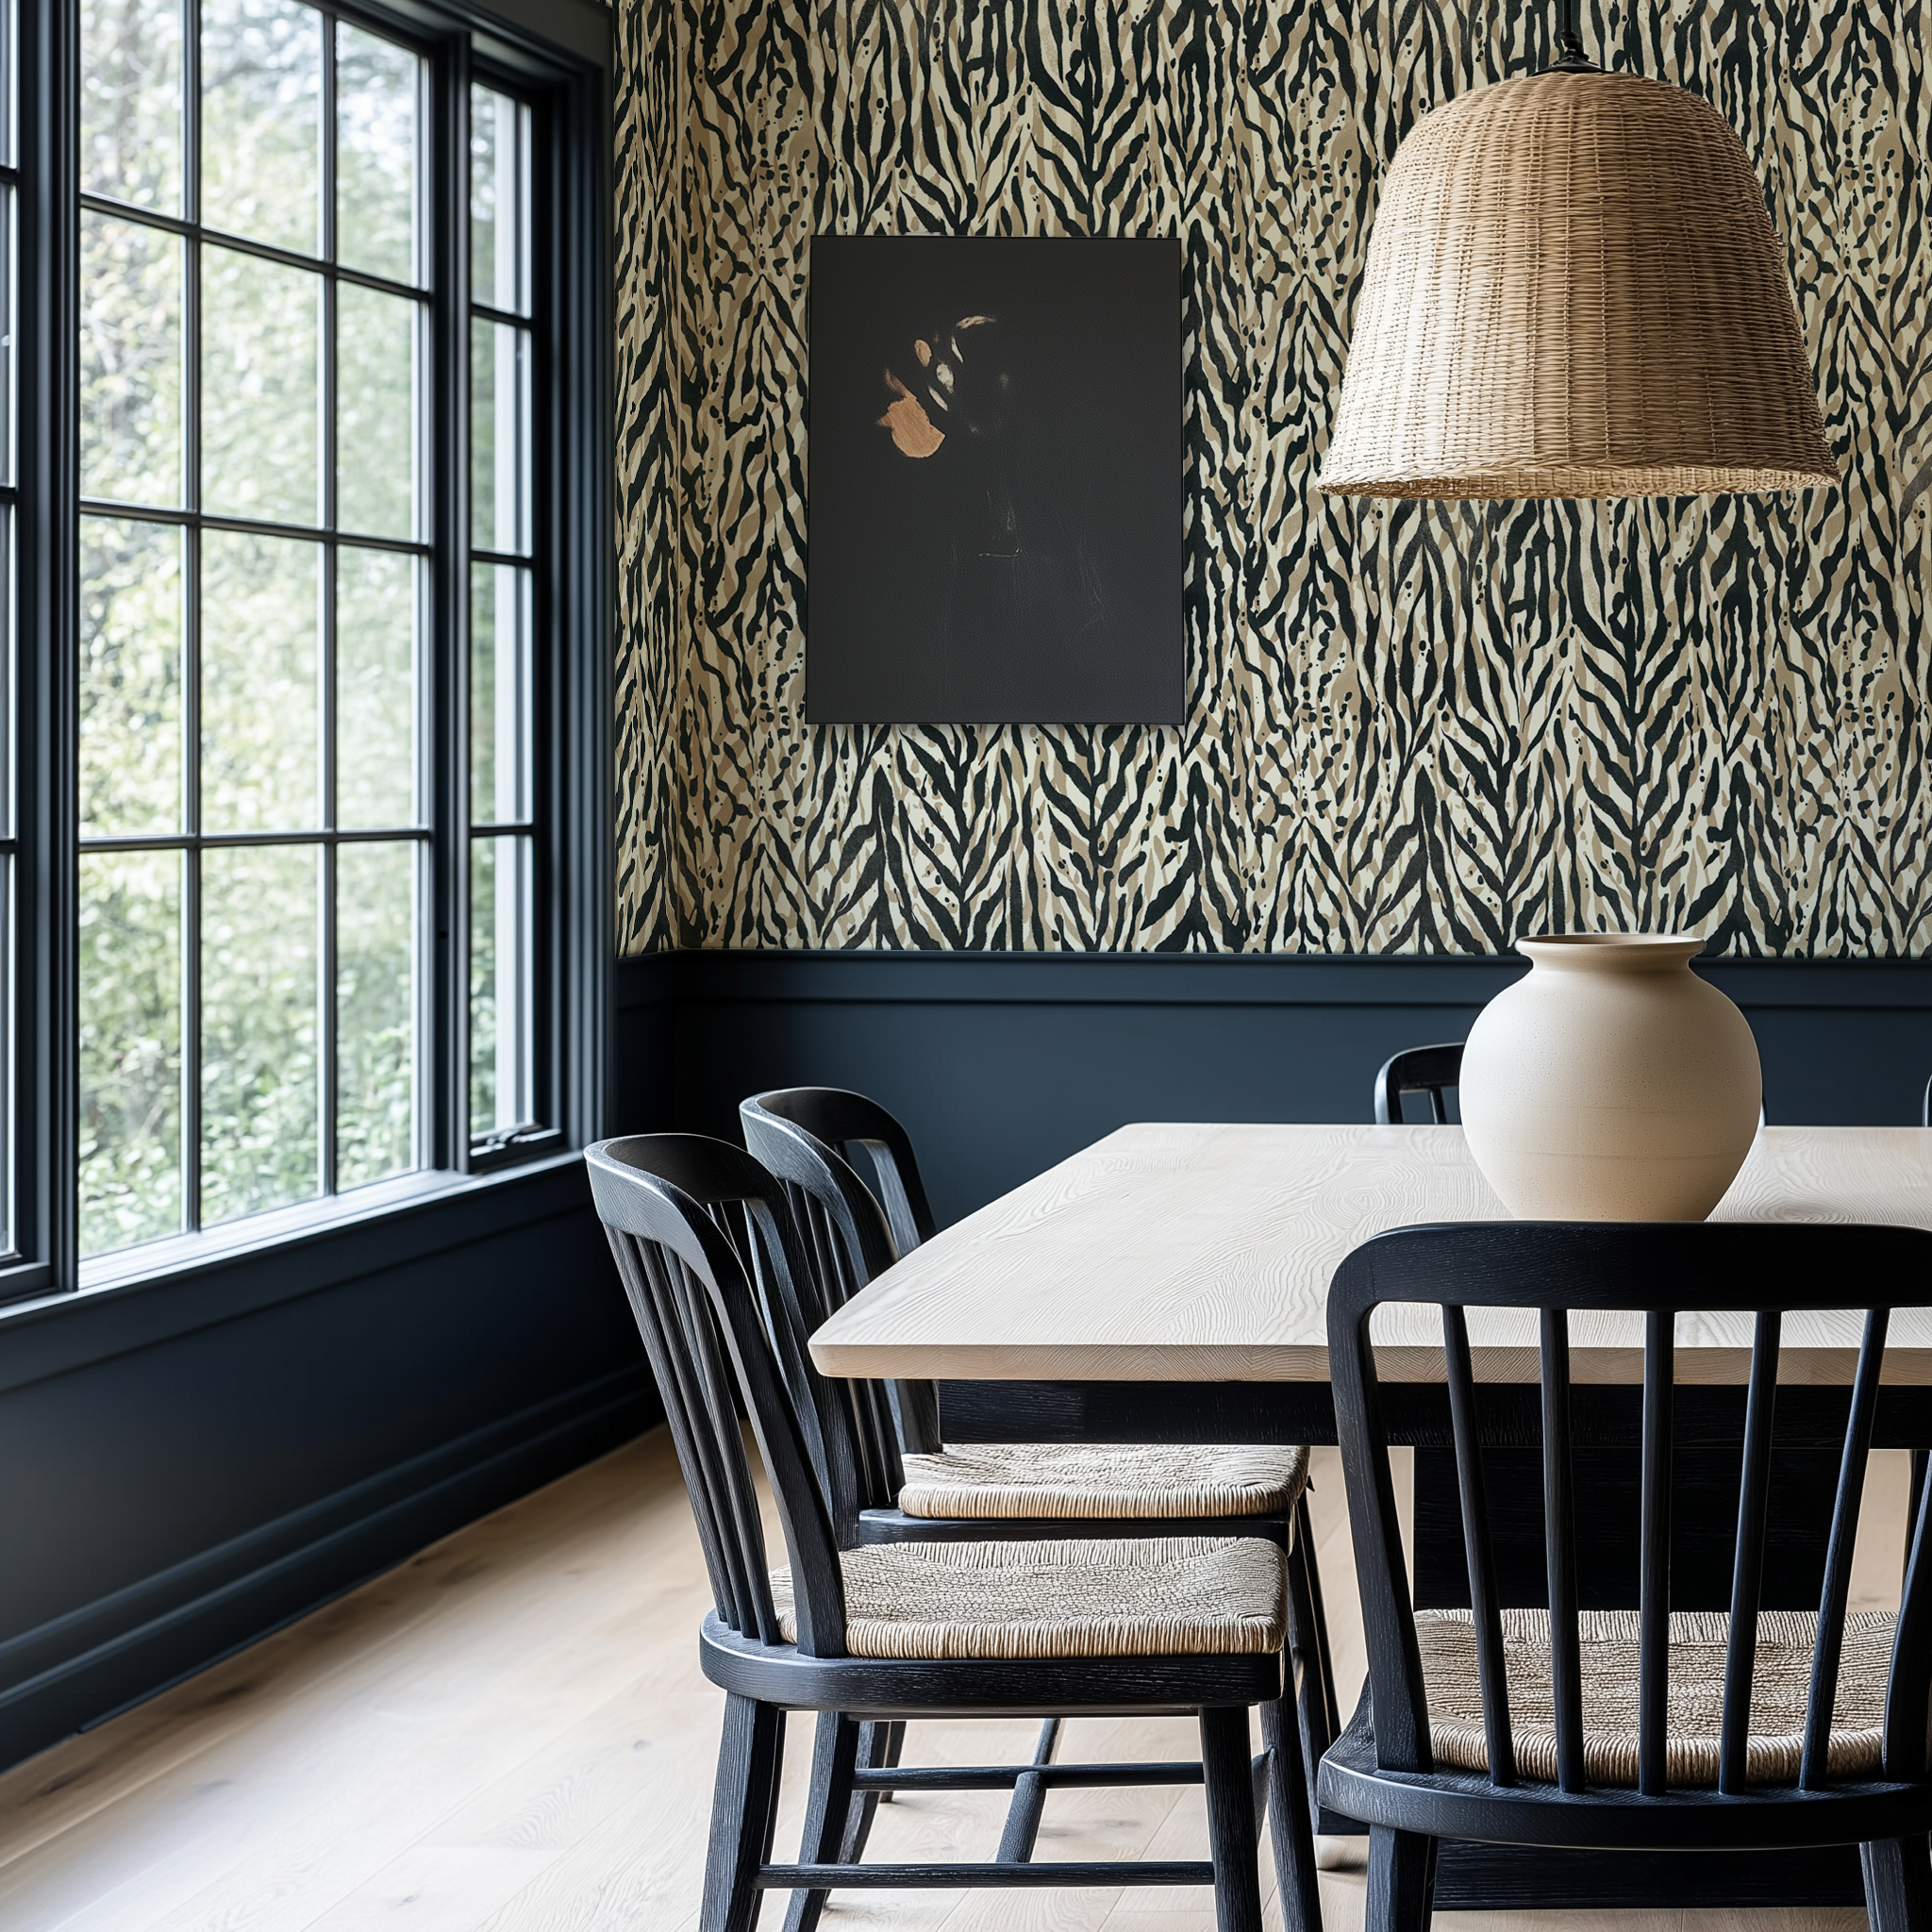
<point>995,485</point>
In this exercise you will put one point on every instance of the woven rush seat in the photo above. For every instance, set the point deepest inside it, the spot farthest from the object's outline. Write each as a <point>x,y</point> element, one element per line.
<point>1150,1596</point>
<point>1608,1646</point>
<point>994,1480</point>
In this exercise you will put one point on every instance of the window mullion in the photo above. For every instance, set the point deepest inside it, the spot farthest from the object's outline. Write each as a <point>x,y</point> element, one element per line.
<point>46,1069</point>
<point>328,1056</point>
<point>448,468</point>
<point>327,977</point>
<point>191,877</point>
<point>190,619</point>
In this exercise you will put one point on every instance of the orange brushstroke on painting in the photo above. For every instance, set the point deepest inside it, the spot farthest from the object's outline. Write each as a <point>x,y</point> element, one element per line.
<point>912,432</point>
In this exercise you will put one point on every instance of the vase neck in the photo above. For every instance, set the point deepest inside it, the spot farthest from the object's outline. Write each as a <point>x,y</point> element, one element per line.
<point>1599,952</point>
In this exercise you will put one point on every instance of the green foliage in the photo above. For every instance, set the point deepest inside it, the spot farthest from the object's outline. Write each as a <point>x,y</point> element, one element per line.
<point>131,1047</point>
<point>131,676</point>
<point>375,1005</point>
<point>375,411</point>
<point>260,705</point>
<point>261,387</point>
<point>131,103</point>
<point>130,361</point>
<point>376,688</point>
<point>257,947</point>
<point>260,1066</point>
<point>375,154</point>
<point>261,120</point>
<point>483,971</point>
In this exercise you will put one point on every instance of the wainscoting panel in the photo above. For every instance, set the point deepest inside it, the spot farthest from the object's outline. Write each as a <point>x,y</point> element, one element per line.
<point>1000,1064</point>
<point>184,1467</point>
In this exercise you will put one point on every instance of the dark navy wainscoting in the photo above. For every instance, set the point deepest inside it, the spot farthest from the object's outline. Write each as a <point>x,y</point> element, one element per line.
<point>186,1465</point>
<point>1001,1063</point>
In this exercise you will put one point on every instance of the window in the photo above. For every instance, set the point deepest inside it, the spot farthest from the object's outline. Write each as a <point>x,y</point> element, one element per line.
<point>501,842</point>
<point>296,844</point>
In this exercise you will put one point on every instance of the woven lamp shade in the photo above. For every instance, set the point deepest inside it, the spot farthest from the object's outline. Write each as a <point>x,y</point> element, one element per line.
<point>1573,289</point>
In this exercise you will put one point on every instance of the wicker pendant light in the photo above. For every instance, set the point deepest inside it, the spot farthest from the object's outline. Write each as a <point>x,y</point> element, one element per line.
<point>1573,289</point>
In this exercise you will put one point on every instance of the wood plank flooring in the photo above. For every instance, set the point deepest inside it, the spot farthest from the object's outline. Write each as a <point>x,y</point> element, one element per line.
<point>510,1734</point>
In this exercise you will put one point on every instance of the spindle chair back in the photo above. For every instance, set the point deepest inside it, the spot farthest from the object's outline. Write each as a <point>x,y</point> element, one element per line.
<point>1431,1070</point>
<point>851,1232</point>
<point>1386,1771</point>
<point>712,1268</point>
<point>848,1239</point>
<point>852,1124</point>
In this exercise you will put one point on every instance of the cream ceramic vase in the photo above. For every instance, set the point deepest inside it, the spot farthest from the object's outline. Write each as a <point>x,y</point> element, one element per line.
<point>1610,1083</point>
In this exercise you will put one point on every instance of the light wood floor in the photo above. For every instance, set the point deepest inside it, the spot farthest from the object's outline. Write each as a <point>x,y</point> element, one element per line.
<point>510,1734</point>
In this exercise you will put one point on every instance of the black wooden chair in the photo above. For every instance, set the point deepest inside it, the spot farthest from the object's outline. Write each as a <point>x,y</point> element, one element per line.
<point>709,1257</point>
<point>1619,1730</point>
<point>1431,1069</point>
<point>986,1492</point>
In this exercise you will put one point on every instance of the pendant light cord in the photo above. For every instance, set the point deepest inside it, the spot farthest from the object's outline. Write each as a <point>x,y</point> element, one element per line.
<point>1571,59</point>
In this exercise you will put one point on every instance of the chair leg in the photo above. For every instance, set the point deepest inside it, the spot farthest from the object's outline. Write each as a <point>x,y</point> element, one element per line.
<point>879,1744</point>
<point>1289,1825</point>
<point>1402,1881</point>
<point>744,1807</point>
<point>1305,1533</point>
<point>1307,1666</point>
<point>895,1743</point>
<point>1898,1885</point>
<point>1021,1832</point>
<point>831,1807</point>
<point>1224,1767</point>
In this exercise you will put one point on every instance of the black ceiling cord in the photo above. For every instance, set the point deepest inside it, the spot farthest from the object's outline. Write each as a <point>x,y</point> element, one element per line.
<point>1571,59</point>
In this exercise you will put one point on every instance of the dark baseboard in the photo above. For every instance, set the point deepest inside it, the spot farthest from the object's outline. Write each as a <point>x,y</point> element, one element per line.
<point>1001,1063</point>
<point>84,1666</point>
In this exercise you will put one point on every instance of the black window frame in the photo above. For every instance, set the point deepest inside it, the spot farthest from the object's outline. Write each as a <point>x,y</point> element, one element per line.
<point>556,55</point>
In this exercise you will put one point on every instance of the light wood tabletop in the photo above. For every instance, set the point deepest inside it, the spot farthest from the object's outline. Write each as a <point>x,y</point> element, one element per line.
<point>1204,1254</point>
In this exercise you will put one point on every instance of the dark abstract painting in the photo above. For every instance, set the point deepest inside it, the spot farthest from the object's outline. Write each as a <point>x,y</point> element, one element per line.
<point>995,487</point>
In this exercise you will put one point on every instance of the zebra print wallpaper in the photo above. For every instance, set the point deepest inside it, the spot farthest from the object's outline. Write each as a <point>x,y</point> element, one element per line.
<point>1410,726</point>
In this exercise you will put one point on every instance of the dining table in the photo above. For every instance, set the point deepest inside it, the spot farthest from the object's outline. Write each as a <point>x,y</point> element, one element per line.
<point>1169,1284</point>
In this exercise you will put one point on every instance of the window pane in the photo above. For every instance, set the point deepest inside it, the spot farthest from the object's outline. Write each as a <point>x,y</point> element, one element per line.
<point>500,891</point>
<point>130,361</point>
<point>499,694</point>
<point>130,101</point>
<point>131,676</point>
<point>375,411</point>
<point>261,387</point>
<point>262,120</point>
<point>375,155</point>
<point>9,265</point>
<point>498,142</point>
<point>260,1040</point>
<point>499,390</point>
<point>130,1048</point>
<point>260,726</point>
<point>375,689</point>
<point>376,1013</point>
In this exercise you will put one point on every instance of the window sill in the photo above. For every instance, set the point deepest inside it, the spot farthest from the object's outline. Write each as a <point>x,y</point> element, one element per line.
<point>154,1261</point>
<point>218,1275</point>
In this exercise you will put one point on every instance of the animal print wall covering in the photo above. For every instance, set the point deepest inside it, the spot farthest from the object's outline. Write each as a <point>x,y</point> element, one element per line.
<point>1411,726</point>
